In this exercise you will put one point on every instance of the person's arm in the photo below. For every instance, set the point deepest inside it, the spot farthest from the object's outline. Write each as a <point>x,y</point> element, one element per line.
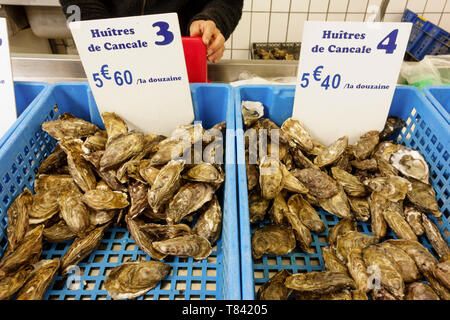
<point>89,9</point>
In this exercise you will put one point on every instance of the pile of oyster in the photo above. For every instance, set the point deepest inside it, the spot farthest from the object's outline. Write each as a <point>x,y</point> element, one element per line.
<point>96,178</point>
<point>375,181</point>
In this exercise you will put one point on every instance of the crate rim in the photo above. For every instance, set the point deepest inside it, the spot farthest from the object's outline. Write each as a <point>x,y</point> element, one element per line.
<point>427,91</point>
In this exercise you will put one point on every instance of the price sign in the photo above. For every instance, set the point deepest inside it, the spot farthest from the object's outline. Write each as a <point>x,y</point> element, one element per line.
<point>347,77</point>
<point>136,68</point>
<point>7,99</point>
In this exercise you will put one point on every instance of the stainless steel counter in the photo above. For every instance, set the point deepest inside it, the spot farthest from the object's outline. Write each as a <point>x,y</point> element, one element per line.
<point>57,68</point>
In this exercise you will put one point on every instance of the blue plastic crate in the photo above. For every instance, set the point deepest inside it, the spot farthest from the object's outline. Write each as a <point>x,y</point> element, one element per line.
<point>439,96</point>
<point>416,30</point>
<point>27,94</point>
<point>217,277</point>
<point>426,131</point>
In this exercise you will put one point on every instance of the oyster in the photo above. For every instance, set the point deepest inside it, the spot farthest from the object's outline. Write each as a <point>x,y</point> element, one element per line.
<point>274,289</point>
<point>318,183</point>
<point>122,149</point>
<point>366,165</point>
<point>295,130</point>
<point>307,214</point>
<point>129,169</point>
<point>391,188</point>
<point>169,149</point>
<point>391,127</point>
<point>54,161</point>
<point>390,276</point>
<point>109,177</point>
<point>332,262</point>
<point>257,206</point>
<point>423,197</point>
<point>357,269</point>
<point>81,248</point>
<point>270,178</point>
<point>44,207</point>
<point>385,149</point>
<point>420,291</point>
<point>57,183</point>
<point>191,245</point>
<point>94,158</point>
<point>251,112</point>
<point>95,143</point>
<point>441,272</point>
<point>27,252</point>
<point>386,169</point>
<point>272,239</point>
<point>414,218</point>
<point>364,147</point>
<point>351,184</point>
<point>434,236</point>
<point>301,232</point>
<point>190,198</point>
<point>332,154</point>
<point>344,163</point>
<point>138,197</point>
<point>40,278</point>
<point>411,164</point>
<point>147,172</point>
<point>205,172</point>
<point>377,205</point>
<point>437,286</point>
<point>160,232</point>
<point>74,212</point>
<point>18,218</point>
<point>58,232</point>
<point>424,260</point>
<point>339,229</point>
<point>291,183</point>
<point>98,218</point>
<point>105,200</point>
<point>166,184</point>
<point>381,293</point>
<point>337,204</point>
<point>279,209</point>
<point>393,216</point>
<point>352,240</point>
<point>69,127</point>
<point>252,176</point>
<point>102,185</point>
<point>114,126</point>
<point>319,282</point>
<point>360,208</point>
<point>81,172</point>
<point>406,264</point>
<point>143,239</point>
<point>338,295</point>
<point>302,161</point>
<point>10,284</point>
<point>209,223</point>
<point>133,279</point>
<point>359,295</point>
<point>271,127</point>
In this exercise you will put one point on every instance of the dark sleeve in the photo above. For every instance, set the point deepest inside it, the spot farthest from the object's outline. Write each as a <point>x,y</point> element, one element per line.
<point>89,9</point>
<point>225,14</point>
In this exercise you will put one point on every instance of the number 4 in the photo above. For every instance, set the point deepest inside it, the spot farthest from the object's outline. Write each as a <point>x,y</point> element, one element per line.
<point>391,45</point>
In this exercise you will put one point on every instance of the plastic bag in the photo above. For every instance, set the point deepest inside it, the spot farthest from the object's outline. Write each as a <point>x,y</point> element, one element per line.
<point>431,71</point>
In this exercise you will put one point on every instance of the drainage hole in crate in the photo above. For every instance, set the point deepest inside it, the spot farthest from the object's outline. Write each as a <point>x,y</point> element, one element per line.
<point>130,247</point>
<point>93,271</point>
<point>107,271</point>
<point>98,258</point>
<point>165,285</point>
<point>300,261</point>
<point>116,247</point>
<point>439,147</point>
<point>6,178</point>
<point>194,297</point>
<point>6,200</point>
<point>196,285</point>
<point>113,258</point>
<point>120,235</point>
<point>182,271</point>
<point>196,272</point>
<point>148,297</point>
<point>180,285</point>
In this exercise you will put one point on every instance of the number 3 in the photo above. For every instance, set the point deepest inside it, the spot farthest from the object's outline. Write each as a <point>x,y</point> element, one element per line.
<point>163,31</point>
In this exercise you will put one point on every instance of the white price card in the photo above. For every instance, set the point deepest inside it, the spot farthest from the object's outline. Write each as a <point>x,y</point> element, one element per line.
<point>7,99</point>
<point>136,68</point>
<point>347,77</point>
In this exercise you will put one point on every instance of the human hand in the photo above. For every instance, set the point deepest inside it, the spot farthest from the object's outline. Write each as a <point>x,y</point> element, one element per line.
<point>211,36</point>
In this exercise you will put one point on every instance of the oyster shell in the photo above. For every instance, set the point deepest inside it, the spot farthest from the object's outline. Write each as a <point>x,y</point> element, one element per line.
<point>366,165</point>
<point>114,126</point>
<point>272,239</point>
<point>274,289</point>
<point>81,172</point>
<point>318,183</point>
<point>360,208</point>
<point>40,278</point>
<point>391,127</point>
<point>57,183</point>
<point>337,204</point>
<point>191,245</point>
<point>332,262</point>
<point>301,232</point>
<point>81,248</point>
<point>209,223</point>
<point>143,239</point>
<point>102,185</point>
<point>105,200</point>
<point>307,214</point>
<point>129,169</point>
<point>270,178</point>
<point>10,284</point>
<point>385,149</point>
<point>166,184</point>
<point>252,176</point>
<point>386,169</point>
<point>392,188</point>
<point>295,130</point>
<point>44,207</point>
<point>437,286</point>
<point>390,276</point>
<point>364,147</point>
<point>434,236</point>
<point>441,272</point>
<point>393,216</point>
<point>160,232</point>
<point>423,197</point>
<point>302,161</point>
<point>257,206</point>
<point>359,295</point>
<point>420,291</point>
<point>121,149</point>
<point>190,198</point>
<point>351,184</point>
<point>338,295</point>
<point>138,197</point>
<point>98,218</point>
<point>56,160</point>
<point>353,240</point>
<point>414,218</point>
<point>382,294</point>
<point>18,219</point>
<point>319,282</point>
<point>169,149</point>
<point>205,172</point>
<point>339,229</point>
<point>357,269</point>
<point>291,183</point>
<point>95,143</point>
<point>59,232</point>
<point>271,127</point>
<point>332,154</point>
<point>377,205</point>
<point>134,279</point>
<point>406,264</point>
<point>279,209</point>
<point>411,164</point>
<point>69,127</point>
<point>148,172</point>
<point>251,112</point>
<point>74,212</point>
